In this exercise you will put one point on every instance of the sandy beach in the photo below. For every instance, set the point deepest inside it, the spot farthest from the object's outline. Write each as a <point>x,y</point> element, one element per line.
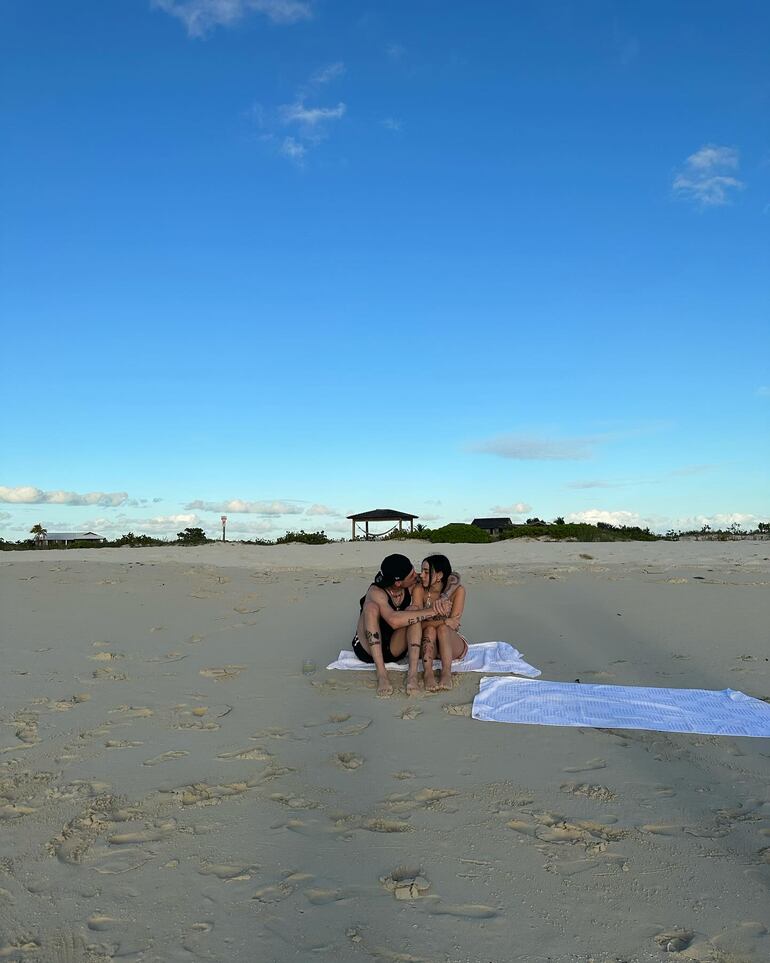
<point>174,788</point>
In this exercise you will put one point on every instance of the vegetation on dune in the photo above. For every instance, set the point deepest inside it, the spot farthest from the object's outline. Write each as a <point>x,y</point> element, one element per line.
<point>580,532</point>
<point>307,538</point>
<point>457,532</point>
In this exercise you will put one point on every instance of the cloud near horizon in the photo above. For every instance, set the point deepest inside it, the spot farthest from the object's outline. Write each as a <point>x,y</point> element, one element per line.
<point>323,510</point>
<point>201,16</point>
<point>518,508</point>
<point>29,495</point>
<point>238,505</point>
<point>708,176</point>
<point>523,448</point>
<point>593,516</point>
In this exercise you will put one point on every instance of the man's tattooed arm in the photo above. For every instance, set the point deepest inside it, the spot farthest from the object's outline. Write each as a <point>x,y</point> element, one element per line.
<point>428,617</point>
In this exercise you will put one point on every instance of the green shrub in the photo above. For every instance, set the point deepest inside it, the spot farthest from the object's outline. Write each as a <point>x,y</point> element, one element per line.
<point>308,538</point>
<point>458,532</point>
<point>192,536</point>
<point>582,532</point>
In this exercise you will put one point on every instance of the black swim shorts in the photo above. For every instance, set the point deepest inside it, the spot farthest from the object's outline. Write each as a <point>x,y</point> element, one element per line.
<point>364,656</point>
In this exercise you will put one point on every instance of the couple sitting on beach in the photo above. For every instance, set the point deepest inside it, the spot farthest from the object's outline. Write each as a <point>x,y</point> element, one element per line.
<point>420,614</point>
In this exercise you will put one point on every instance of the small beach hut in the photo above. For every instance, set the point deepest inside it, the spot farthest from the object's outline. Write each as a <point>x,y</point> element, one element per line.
<point>492,526</point>
<point>380,515</point>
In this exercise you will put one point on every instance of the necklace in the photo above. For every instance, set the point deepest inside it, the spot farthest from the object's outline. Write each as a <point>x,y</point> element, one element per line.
<point>397,597</point>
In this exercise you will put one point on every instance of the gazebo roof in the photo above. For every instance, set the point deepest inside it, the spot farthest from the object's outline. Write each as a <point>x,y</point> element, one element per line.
<point>382,515</point>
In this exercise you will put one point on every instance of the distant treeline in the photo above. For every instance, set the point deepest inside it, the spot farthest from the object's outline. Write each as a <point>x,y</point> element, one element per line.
<point>454,533</point>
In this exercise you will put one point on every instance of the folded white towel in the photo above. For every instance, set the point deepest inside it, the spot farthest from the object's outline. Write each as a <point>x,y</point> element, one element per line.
<point>480,657</point>
<point>725,713</point>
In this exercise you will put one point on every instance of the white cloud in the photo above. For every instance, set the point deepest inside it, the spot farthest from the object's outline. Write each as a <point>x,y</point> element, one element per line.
<point>429,518</point>
<point>745,520</point>
<point>28,495</point>
<point>326,74</point>
<point>323,510</point>
<point>763,391</point>
<point>154,525</point>
<point>594,483</point>
<point>535,449</point>
<point>395,51</point>
<point>517,508</point>
<point>200,16</point>
<point>250,508</point>
<point>293,129</point>
<point>594,515</point>
<point>391,123</point>
<point>238,526</point>
<point>5,516</point>
<point>292,149</point>
<point>310,116</point>
<point>706,176</point>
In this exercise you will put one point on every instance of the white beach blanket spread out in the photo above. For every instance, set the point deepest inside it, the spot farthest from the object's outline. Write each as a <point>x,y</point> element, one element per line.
<point>725,713</point>
<point>480,657</point>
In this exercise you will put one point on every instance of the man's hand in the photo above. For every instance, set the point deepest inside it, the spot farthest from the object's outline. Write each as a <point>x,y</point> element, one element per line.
<point>442,606</point>
<point>453,624</point>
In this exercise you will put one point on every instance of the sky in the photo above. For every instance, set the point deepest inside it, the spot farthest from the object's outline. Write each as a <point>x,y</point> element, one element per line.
<point>287,260</point>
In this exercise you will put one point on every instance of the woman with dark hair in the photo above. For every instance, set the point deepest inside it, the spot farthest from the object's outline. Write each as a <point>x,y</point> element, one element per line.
<point>440,637</point>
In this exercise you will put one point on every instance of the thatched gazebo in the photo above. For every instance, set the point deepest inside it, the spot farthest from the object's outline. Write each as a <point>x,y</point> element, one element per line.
<point>381,515</point>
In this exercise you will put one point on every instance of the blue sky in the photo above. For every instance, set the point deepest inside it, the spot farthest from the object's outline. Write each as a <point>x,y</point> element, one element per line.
<point>292,259</point>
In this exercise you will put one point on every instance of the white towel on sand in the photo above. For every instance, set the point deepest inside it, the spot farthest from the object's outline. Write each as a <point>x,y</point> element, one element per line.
<point>480,657</point>
<point>725,713</point>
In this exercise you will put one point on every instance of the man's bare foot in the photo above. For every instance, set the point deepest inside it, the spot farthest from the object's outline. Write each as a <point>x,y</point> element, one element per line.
<point>412,684</point>
<point>445,682</point>
<point>384,688</point>
<point>429,681</point>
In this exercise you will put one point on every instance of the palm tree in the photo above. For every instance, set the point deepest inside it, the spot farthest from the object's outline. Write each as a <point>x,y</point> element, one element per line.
<point>40,533</point>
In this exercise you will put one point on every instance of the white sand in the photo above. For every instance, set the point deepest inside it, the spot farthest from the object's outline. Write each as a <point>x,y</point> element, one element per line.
<point>172,788</point>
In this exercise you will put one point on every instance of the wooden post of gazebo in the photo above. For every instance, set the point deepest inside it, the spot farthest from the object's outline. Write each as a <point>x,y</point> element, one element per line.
<point>380,515</point>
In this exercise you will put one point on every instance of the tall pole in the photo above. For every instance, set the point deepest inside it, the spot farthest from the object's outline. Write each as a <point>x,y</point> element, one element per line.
<point>224,522</point>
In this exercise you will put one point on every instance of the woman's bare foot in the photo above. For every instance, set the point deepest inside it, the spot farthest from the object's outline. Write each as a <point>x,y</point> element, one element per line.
<point>384,688</point>
<point>445,682</point>
<point>429,680</point>
<point>412,684</point>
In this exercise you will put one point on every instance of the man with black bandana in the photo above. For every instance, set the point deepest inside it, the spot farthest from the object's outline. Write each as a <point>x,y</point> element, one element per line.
<point>389,624</point>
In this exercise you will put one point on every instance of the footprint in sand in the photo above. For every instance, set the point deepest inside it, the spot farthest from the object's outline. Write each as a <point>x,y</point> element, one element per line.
<point>253,752</point>
<point>274,894</point>
<point>101,923</point>
<point>133,712</point>
<point>599,793</point>
<point>411,712</point>
<point>293,801</point>
<point>166,757</point>
<point>122,744</point>
<point>227,871</point>
<point>406,883</point>
<point>203,794</point>
<point>152,834</point>
<point>354,729</point>
<point>587,766</point>
<point>109,675</point>
<point>463,709</point>
<point>348,760</point>
<point>386,826</point>
<point>476,911</point>
<point>222,673</point>
<point>107,656</point>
